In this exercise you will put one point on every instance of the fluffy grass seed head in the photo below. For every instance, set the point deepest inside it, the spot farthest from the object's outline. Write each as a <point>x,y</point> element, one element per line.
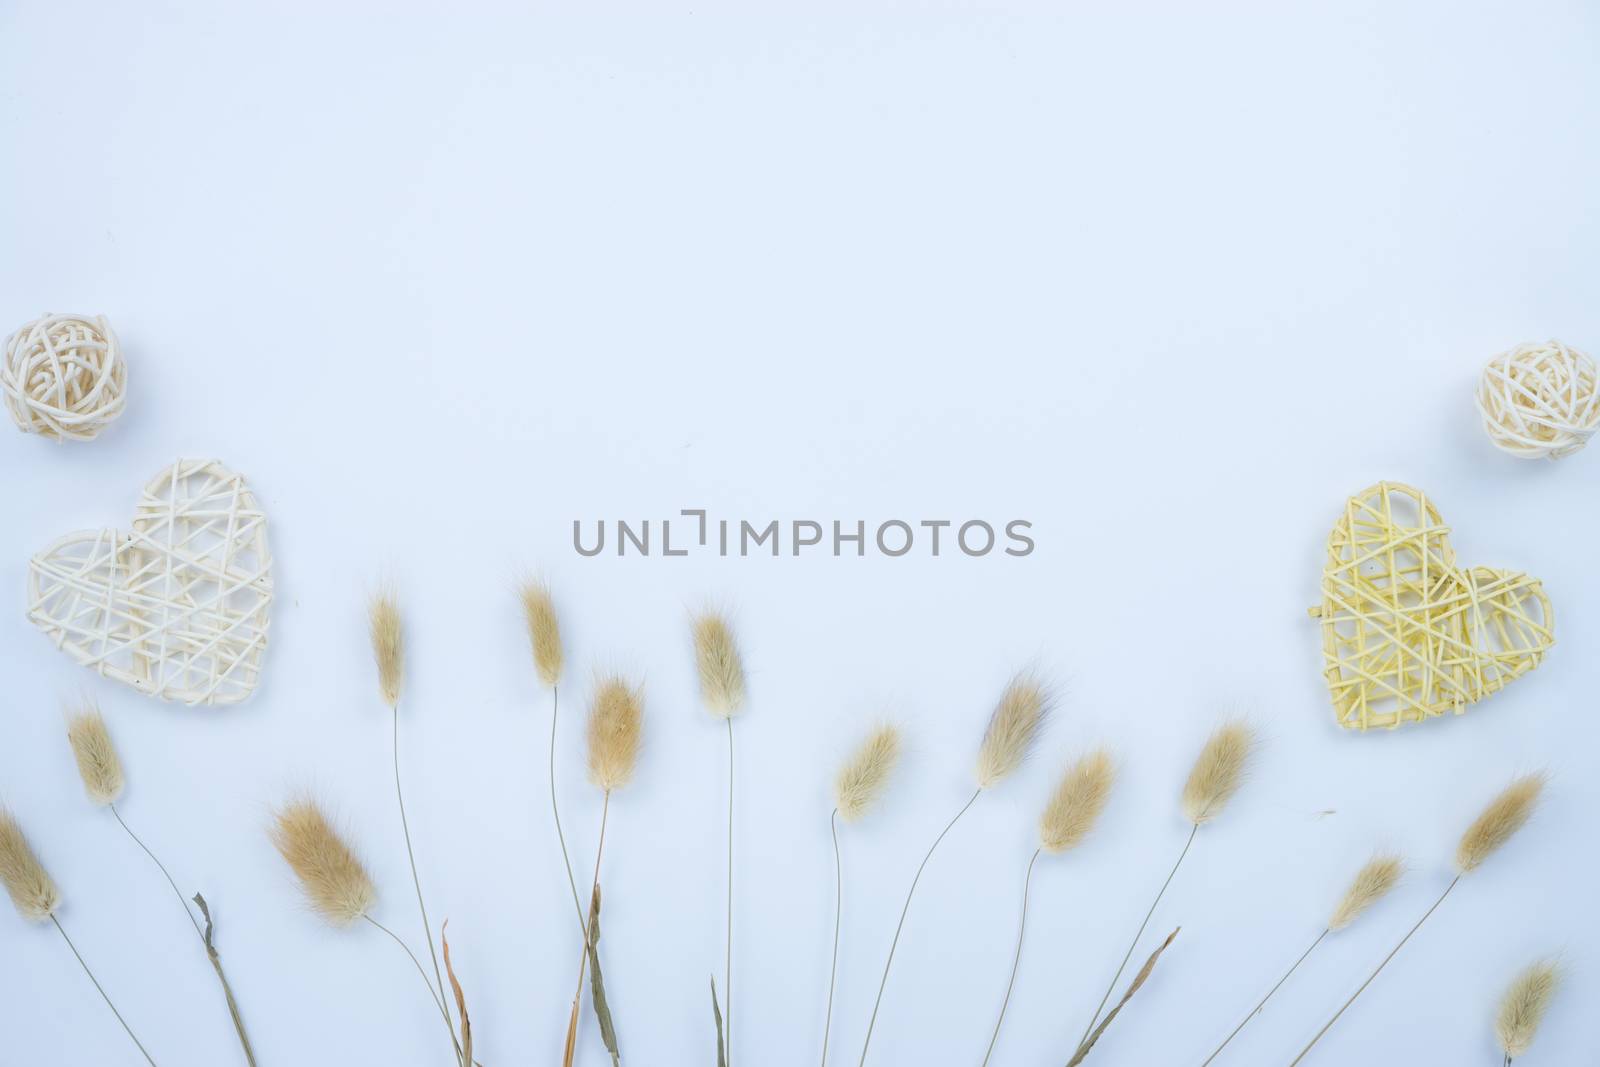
<point>1499,822</point>
<point>721,670</point>
<point>1218,772</point>
<point>1013,727</point>
<point>332,876</point>
<point>1076,804</point>
<point>862,779</point>
<point>616,722</point>
<point>98,764</point>
<point>1523,1006</point>
<point>1370,885</point>
<point>388,645</point>
<point>544,631</point>
<point>25,878</point>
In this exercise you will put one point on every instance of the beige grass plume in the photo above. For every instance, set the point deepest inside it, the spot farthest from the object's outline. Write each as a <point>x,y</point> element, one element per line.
<point>1077,802</point>
<point>1370,885</point>
<point>1013,727</point>
<point>98,764</point>
<point>25,878</point>
<point>1218,772</point>
<point>334,880</point>
<point>1523,1007</point>
<point>861,781</point>
<point>1499,822</point>
<point>388,645</point>
<point>544,631</point>
<point>616,722</point>
<point>720,666</point>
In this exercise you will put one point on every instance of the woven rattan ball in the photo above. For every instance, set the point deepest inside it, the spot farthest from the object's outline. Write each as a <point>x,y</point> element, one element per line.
<point>1540,401</point>
<point>64,377</point>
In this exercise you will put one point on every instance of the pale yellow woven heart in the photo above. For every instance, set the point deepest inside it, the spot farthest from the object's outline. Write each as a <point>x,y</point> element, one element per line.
<point>177,608</point>
<point>1406,634</point>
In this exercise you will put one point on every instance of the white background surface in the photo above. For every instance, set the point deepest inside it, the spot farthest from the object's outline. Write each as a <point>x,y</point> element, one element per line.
<point>441,279</point>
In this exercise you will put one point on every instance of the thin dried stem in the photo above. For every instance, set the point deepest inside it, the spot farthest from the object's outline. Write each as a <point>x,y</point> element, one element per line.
<point>838,913</point>
<point>1374,974</point>
<point>884,981</point>
<point>1135,943</point>
<point>420,972</point>
<point>211,952</point>
<point>99,989</point>
<point>227,990</point>
<point>163,869</point>
<point>727,961</point>
<point>1274,989</point>
<point>555,810</point>
<point>1022,926</point>
<point>427,929</point>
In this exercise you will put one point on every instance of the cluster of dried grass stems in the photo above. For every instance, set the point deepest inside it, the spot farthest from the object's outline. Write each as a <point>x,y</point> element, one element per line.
<point>331,873</point>
<point>1219,771</point>
<point>339,888</point>
<point>1507,813</point>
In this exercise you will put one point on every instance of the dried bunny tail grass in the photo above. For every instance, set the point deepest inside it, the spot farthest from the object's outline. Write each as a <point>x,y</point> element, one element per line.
<point>98,764</point>
<point>1071,813</point>
<point>1218,772</point>
<point>1370,885</point>
<point>335,882</point>
<point>544,631</point>
<point>1523,1006</point>
<point>1012,729</point>
<point>721,670</point>
<point>1077,802</point>
<point>1499,822</point>
<point>1215,777</point>
<point>25,878</point>
<point>616,723</point>
<point>861,781</point>
<point>388,644</point>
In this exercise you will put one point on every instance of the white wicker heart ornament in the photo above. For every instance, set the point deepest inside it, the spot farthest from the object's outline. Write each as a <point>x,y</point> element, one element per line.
<point>178,606</point>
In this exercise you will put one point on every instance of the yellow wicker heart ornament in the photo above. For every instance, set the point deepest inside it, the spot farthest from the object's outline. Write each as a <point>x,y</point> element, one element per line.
<point>1406,634</point>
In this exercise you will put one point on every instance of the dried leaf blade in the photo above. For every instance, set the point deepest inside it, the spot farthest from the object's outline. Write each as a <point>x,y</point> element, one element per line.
<point>597,983</point>
<point>716,1016</point>
<point>461,1000</point>
<point>1133,987</point>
